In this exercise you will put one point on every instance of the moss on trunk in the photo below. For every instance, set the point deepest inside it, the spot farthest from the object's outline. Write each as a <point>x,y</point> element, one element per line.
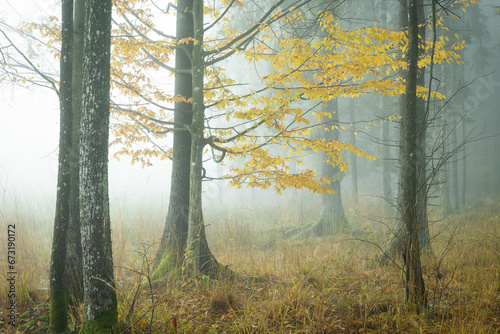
<point>105,322</point>
<point>58,312</point>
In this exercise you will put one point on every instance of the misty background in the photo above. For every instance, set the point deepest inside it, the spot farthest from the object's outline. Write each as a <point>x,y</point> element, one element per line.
<point>29,131</point>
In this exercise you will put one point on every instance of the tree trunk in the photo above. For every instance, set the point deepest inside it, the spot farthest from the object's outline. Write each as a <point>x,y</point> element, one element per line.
<point>332,218</point>
<point>422,119</point>
<point>101,313</point>
<point>464,167</point>
<point>199,257</point>
<point>454,201</point>
<point>414,286</point>
<point>443,173</point>
<point>386,156</point>
<point>354,158</point>
<point>396,246</point>
<point>174,239</point>
<point>73,281</point>
<point>58,300</point>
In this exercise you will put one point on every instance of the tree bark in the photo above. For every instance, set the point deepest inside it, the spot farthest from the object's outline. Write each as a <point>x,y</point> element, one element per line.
<point>174,239</point>
<point>100,314</point>
<point>74,284</point>
<point>199,257</point>
<point>422,119</point>
<point>58,301</point>
<point>396,246</point>
<point>414,287</point>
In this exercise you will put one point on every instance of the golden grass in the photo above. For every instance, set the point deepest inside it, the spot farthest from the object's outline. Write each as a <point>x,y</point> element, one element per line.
<point>324,285</point>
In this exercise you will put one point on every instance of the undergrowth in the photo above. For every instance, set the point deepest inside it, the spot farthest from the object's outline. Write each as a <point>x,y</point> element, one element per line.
<point>321,285</point>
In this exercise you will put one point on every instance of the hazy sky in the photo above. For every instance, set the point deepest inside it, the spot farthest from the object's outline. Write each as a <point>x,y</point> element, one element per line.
<point>29,133</point>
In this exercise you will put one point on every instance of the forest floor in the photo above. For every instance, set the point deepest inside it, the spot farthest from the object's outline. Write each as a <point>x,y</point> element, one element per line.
<point>316,285</point>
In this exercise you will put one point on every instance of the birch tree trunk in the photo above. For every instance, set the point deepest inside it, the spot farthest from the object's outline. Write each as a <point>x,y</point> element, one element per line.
<point>100,313</point>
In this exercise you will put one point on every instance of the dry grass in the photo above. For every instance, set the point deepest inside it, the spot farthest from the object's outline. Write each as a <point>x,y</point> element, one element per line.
<point>326,285</point>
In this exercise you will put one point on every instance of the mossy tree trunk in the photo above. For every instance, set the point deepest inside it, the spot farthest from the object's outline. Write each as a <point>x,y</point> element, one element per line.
<point>100,315</point>
<point>174,239</point>
<point>58,301</point>
<point>414,287</point>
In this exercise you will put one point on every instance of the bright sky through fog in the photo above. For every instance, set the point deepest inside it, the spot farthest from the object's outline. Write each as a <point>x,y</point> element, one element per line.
<point>29,133</point>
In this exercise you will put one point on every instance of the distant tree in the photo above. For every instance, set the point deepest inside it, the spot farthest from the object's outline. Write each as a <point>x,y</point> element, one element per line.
<point>100,314</point>
<point>332,218</point>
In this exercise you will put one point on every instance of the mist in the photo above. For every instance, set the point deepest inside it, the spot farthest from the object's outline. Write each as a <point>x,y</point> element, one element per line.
<point>279,205</point>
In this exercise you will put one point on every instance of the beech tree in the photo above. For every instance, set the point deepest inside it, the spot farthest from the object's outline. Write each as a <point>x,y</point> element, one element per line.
<point>58,293</point>
<point>100,314</point>
<point>414,285</point>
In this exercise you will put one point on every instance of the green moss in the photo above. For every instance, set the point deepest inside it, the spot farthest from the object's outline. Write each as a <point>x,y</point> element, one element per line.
<point>167,266</point>
<point>58,312</point>
<point>105,322</point>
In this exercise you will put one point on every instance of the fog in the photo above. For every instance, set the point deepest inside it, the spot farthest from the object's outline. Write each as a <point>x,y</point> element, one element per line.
<point>30,120</point>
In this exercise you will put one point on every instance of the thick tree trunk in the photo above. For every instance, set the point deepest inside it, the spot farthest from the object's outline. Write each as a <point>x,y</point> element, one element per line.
<point>414,286</point>
<point>58,300</point>
<point>100,314</point>
<point>74,284</point>
<point>174,239</point>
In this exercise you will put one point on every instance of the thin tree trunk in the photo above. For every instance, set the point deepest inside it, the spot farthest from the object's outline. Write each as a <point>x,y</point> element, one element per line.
<point>454,171</point>
<point>174,239</point>
<point>396,246</point>
<point>414,286</point>
<point>464,167</point>
<point>386,156</point>
<point>354,159</point>
<point>199,257</point>
<point>100,313</point>
<point>443,182</point>
<point>58,301</point>
<point>74,284</point>
<point>422,119</point>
